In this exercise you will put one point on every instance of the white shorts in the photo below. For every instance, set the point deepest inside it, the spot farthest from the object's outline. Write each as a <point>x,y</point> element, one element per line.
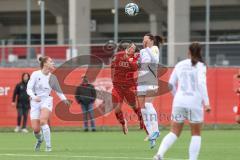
<point>180,114</point>
<point>143,89</point>
<point>46,102</point>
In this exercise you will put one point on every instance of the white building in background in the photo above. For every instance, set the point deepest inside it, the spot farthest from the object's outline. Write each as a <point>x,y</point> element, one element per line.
<point>91,21</point>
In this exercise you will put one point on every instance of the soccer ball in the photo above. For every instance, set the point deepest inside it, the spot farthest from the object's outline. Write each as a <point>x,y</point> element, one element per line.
<point>131,9</point>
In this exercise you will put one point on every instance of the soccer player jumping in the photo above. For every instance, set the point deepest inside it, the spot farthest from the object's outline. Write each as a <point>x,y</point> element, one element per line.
<point>123,70</point>
<point>148,84</point>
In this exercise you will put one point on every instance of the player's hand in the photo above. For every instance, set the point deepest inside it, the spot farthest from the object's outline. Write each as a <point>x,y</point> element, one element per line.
<point>67,102</point>
<point>130,59</point>
<point>37,99</point>
<point>207,109</point>
<point>13,104</point>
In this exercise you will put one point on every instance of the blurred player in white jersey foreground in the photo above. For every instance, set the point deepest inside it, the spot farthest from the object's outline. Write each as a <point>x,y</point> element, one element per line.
<point>188,85</point>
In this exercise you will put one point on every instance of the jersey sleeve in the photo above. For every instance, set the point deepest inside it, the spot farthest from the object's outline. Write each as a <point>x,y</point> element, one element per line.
<point>202,84</point>
<point>53,81</point>
<point>173,82</point>
<point>30,85</point>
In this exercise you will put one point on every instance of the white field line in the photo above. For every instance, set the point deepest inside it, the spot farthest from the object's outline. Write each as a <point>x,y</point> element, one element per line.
<point>69,156</point>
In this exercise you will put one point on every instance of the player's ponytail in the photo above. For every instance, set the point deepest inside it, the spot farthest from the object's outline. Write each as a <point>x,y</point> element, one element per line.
<point>158,40</point>
<point>42,61</point>
<point>195,52</point>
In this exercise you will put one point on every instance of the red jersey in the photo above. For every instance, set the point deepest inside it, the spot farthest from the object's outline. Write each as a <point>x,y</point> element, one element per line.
<point>124,69</point>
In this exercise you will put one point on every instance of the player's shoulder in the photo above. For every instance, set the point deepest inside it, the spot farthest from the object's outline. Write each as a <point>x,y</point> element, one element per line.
<point>155,49</point>
<point>142,50</point>
<point>183,63</point>
<point>201,65</point>
<point>34,73</point>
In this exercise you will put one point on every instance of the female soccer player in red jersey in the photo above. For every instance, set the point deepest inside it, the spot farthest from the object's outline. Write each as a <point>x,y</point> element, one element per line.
<point>124,67</point>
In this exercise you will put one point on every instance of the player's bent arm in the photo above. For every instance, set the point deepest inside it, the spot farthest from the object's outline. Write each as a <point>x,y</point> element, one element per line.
<point>202,84</point>
<point>56,87</point>
<point>30,86</point>
<point>173,82</point>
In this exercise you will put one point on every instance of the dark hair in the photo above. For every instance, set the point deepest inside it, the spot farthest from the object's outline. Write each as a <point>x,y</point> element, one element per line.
<point>25,74</point>
<point>43,60</point>
<point>195,52</point>
<point>123,45</point>
<point>157,40</point>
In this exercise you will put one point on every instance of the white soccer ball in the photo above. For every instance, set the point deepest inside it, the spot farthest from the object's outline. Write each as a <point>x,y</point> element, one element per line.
<point>131,9</point>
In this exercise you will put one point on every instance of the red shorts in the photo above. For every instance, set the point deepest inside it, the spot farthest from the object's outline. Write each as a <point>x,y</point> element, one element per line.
<point>124,93</point>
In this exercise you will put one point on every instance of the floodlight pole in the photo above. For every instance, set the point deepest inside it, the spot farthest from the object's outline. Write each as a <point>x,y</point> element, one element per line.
<point>42,8</point>
<point>207,36</point>
<point>28,29</point>
<point>116,21</point>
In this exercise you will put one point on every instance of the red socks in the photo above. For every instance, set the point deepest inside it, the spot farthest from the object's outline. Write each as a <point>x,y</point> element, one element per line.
<point>120,117</point>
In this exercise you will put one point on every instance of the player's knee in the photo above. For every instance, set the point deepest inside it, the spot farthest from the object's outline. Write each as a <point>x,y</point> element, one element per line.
<point>43,122</point>
<point>176,131</point>
<point>36,129</point>
<point>196,133</point>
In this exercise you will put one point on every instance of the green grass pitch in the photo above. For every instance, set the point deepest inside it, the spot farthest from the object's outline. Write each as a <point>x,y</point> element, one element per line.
<point>216,145</point>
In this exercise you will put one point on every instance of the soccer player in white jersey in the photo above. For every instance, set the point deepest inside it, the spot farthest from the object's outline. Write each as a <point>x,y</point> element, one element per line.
<point>148,84</point>
<point>39,89</point>
<point>188,85</point>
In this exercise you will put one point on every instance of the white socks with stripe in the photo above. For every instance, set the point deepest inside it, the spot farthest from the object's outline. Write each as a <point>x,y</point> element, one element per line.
<point>46,135</point>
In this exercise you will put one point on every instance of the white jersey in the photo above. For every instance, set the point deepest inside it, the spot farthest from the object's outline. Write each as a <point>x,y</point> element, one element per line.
<point>149,59</point>
<point>189,85</point>
<point>39,86</point>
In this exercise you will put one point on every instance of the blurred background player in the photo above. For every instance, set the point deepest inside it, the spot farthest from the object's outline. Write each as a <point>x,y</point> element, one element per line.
<point>39,89</point>
<point>85,96</point>
<point>123,68</point>
<point>148,84</point>
<point>22,104</point>
<point>188,85</point>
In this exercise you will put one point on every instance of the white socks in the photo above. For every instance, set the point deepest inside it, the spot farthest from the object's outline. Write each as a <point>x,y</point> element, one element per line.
<point>152,117</point>
<point>169,139</point>
<point>146,122</point>
<point>46,135</point>
<point>167,142</point>
<point>194,147</point>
